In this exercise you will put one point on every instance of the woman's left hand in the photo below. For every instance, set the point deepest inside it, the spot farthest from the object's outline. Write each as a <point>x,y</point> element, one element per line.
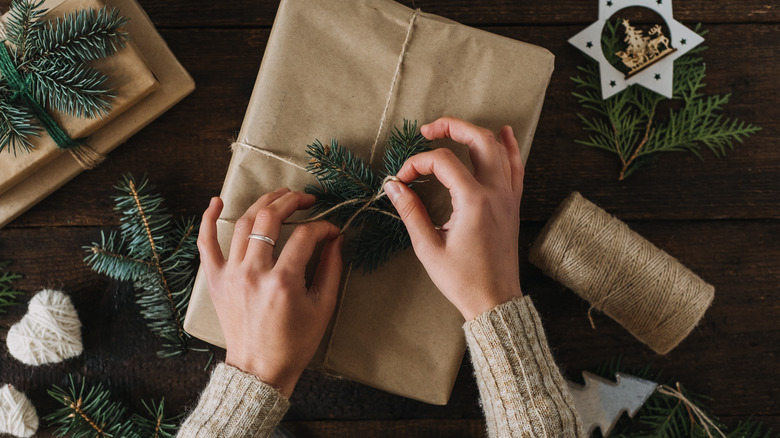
<point>272,322</point>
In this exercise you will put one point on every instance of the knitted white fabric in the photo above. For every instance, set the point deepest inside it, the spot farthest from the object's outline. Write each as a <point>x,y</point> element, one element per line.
<point>50,332</point>
<point>17,414</point>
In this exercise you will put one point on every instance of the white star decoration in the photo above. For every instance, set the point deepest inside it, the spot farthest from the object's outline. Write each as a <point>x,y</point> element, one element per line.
<point>658,77</point>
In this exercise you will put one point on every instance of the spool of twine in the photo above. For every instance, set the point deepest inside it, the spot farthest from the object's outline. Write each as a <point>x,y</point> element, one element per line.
<point>620,273</point>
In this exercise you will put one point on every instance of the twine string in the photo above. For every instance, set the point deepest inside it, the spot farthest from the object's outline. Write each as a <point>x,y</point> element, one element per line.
<point>705,422</point>
<point>396,76</point>
<point>621,273</point>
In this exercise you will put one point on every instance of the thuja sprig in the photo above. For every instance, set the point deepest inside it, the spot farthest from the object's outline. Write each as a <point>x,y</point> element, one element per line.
<point>53,59</point>
<point>628,124</point>
<point>8,291</point>
<point>347,188</point>
<point>156,253</point>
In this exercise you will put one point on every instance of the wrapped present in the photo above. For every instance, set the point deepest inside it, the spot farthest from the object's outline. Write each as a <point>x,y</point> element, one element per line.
<point>130,80</point>
<point>146,79</point>
<point>351,73</point>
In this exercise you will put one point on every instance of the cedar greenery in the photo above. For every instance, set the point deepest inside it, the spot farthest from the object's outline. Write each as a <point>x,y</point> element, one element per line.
<point>156,253</point>
<point>343,176</point>
<point>8,292</point>
<point>626,124</point>
<point>92,412</point>
<point>53,57</point>
<point>664,416</point>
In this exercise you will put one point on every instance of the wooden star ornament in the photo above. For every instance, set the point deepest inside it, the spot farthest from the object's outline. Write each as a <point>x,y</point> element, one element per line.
<point>650,58</point>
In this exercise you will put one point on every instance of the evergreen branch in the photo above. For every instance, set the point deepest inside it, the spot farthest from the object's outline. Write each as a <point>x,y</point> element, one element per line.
<point>665,416</point>
<point>347,185</point>
<point>8,292</point>
<point>107,258</point>
<point>78,90</point>
<point>16,125</point>
<point>22,23</point>
<point>157,254</point>
<point>154,423</point>
<point>626,124</point>
<point>90,414</point>
<point>80,37</point>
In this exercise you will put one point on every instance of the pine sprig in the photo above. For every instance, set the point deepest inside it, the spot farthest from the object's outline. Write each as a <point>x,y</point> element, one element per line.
<point>664,416</point>
<point>8,292</point>
<point>93,412</point>
<point>54,57</point>
<point>157,253</point>
<point>626,124</point>
<point>88,412</point>
<point>154,423</point>
<point>347,183</point>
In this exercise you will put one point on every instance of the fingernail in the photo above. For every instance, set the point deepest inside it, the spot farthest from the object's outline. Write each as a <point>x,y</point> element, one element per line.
<point>511,131</point>
<point>393,190</point>
<point>213,201</point>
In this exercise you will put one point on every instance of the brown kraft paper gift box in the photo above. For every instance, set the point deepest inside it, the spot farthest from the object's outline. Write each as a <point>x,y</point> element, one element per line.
<point>174,84</point>
<point>334,72</point>
<point>130,80</point>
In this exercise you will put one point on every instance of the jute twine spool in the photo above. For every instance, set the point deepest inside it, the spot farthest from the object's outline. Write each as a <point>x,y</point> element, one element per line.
<point>620,273</point>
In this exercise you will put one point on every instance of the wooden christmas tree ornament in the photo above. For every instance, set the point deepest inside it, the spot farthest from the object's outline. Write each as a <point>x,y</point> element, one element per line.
<point>50,332</point>
<point>17,414</point>
<point>619,272</point>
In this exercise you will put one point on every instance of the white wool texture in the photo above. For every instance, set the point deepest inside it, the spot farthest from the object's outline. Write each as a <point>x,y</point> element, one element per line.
<point>50,332</point>
<point>17,414</point>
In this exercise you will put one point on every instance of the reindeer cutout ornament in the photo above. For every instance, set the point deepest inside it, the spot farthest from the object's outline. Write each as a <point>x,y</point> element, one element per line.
<point>643,51</point>
<point>649,58</point>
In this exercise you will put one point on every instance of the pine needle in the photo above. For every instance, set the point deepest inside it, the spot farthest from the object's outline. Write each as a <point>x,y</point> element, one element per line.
<point>628,123</point>
<point>88,412</point>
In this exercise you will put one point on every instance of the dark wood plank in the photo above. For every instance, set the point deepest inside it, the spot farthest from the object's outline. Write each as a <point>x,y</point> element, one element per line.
<point>186,151</point>
<point>203,13</point>
<point>731,356</point>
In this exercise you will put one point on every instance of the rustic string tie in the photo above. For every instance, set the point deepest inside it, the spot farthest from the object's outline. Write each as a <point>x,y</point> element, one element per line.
<point>87,157</point>
<point>693,410</point>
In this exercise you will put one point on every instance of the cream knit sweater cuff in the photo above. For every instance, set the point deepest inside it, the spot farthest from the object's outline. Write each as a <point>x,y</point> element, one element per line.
<point>235,404</point>
<point>522,391</point>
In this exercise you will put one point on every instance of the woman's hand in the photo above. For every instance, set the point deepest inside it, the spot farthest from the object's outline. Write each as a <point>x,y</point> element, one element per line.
<point>473,259</point>
<point>271,321</point>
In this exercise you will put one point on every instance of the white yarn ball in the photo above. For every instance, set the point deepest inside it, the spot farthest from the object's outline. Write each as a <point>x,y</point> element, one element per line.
<point>17,414</point>
<point>50,331</point>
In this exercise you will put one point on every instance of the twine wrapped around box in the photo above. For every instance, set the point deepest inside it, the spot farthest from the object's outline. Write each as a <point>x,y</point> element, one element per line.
<point>619,272</point>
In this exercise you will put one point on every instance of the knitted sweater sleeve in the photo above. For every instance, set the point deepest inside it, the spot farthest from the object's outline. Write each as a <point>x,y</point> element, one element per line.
<point>235,404</point>
<point>522,391</point>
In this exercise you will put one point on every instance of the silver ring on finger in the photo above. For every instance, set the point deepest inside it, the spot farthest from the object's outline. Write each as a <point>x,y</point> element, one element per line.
<point>263,238</point>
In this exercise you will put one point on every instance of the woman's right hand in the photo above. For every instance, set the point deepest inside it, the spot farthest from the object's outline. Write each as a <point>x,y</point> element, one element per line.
<point>473,259</point>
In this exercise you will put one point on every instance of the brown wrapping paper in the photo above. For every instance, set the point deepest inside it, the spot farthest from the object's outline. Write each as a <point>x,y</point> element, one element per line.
<point>174,84</point>
<point>130,79</point>
<point>328,72</point>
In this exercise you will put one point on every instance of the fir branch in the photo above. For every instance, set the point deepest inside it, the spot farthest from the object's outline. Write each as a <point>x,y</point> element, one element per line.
<point>8,292</point>
<point>78,91</point>
<point>157,254</point>
<point>626,124</point>
<point>154,423</point>
<point>16,125</point>
<point>23,21</point>
<point>80,37</point>
<point>347,184</point>
<point>89,413</point>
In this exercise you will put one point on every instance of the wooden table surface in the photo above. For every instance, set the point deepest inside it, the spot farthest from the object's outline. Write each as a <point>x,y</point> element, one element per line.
<point>720,217</point>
